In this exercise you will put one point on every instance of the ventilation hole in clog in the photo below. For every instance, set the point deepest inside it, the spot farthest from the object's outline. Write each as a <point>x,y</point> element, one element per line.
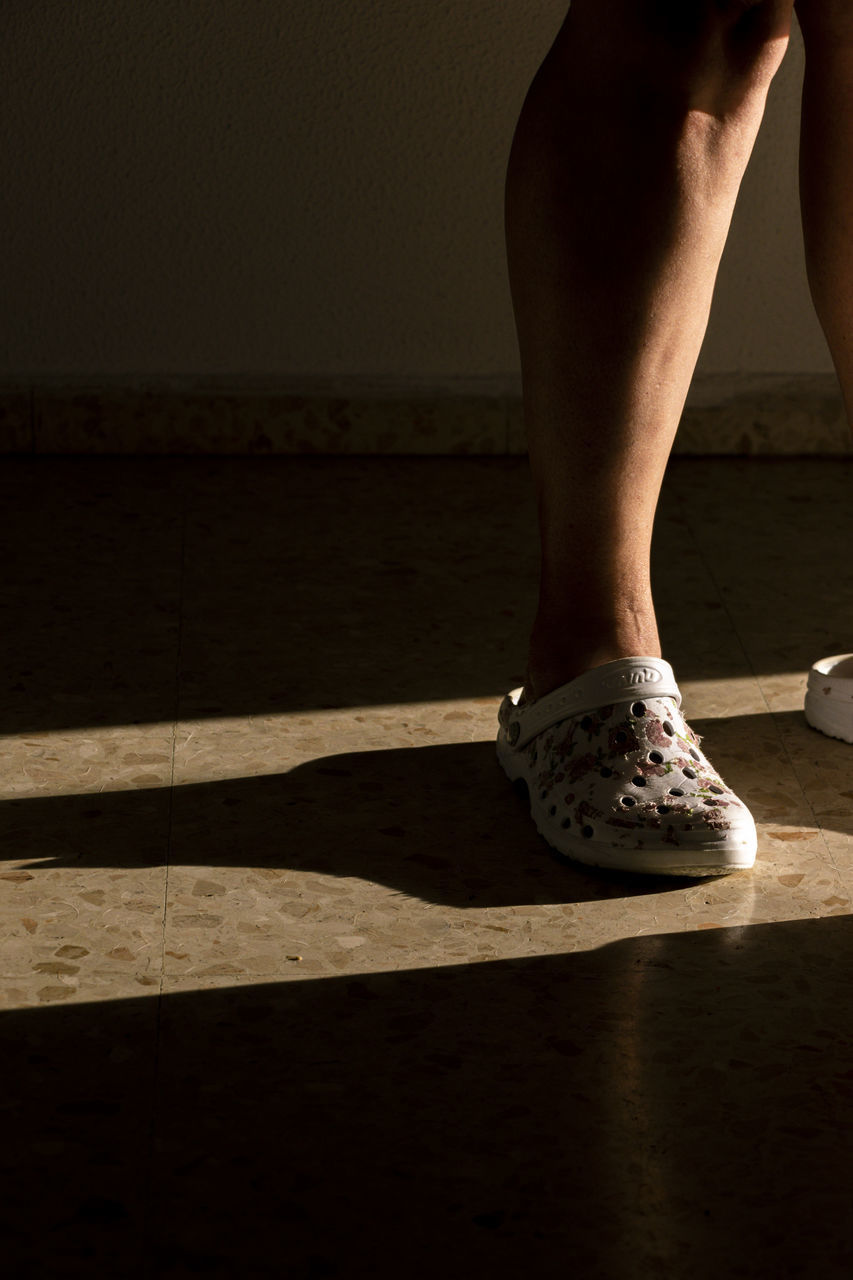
<point>712,804</point>
<point>639,781</point>
<point>655,757</point>
<point>566,823</point>
<point>552,810</point>
<point>676,791</point>
<point>663,808</point>
<point>689,773</point>
<point>587,832</point>
<point>586,724</point>
<point>667,728</point>
<point>695,754</point>
<point>638,709</point>
<point>543,795</point>
<point>605,772</point>
<point>718,791</point>
<point>627,802</point>
<point>621,737</point>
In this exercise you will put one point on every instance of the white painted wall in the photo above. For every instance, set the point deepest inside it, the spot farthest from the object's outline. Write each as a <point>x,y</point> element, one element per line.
<point>289,187</point>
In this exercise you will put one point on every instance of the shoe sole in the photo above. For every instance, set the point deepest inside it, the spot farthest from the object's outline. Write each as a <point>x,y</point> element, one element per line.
<point>710,860</point>
<point>826,719</point>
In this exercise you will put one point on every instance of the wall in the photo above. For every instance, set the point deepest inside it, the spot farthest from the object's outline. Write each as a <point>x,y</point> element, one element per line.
<point>309,187</point>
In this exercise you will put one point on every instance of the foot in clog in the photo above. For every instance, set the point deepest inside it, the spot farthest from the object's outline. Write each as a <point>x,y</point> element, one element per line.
<point>617,779</point>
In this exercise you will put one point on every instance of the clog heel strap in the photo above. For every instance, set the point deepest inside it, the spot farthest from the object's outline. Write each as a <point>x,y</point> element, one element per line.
<point>619,681</point>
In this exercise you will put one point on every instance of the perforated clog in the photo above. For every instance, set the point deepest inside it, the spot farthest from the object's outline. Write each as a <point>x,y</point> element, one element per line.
<point>616,777</point>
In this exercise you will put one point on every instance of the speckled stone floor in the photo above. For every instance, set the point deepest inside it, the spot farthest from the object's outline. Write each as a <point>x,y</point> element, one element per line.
<point>291,986</point>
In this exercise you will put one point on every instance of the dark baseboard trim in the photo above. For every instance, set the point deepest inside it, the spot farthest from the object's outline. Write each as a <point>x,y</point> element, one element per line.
<point>735,414</point>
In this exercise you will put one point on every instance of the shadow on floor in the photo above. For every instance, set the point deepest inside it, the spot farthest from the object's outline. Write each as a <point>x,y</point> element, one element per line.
<point>675,1105</point>
<point>440,824</point>
<point>297,583</point>
<point>437,823</point>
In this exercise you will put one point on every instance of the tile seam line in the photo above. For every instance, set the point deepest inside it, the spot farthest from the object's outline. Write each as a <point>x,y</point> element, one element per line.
<point>148,1209</point>
<point>780,736</point>
<point>175,721</point>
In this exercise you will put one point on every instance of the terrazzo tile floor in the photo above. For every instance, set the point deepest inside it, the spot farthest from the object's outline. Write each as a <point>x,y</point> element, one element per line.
<point>292,987</point>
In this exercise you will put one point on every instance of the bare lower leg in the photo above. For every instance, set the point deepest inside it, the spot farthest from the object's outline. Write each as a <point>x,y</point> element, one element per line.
<point>622,181</point>
<point>826,176</point>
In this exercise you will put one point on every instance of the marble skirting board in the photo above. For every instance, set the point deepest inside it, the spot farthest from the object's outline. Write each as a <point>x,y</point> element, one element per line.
<point>774,414</point>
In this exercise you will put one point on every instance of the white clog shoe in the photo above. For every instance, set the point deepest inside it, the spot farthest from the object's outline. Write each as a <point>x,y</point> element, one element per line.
<point>616,777</point>
<point>829,696</point>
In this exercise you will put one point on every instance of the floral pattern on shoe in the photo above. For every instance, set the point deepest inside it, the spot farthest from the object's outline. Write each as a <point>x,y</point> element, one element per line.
<point>621,784</point>
<point>637,769</point>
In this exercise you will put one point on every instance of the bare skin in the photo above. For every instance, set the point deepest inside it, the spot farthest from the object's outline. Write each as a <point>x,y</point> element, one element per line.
<point>622,181</point>
<point>826,175</point>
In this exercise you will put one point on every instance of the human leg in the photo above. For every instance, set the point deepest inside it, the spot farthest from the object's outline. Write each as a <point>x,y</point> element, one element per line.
<point>826,175</point>
<point>826,199</point>
<point>622,180</point>
<point>624,172</point>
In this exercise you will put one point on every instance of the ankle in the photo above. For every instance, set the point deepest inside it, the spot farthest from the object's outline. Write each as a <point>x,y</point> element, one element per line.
<point>563,649</point>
